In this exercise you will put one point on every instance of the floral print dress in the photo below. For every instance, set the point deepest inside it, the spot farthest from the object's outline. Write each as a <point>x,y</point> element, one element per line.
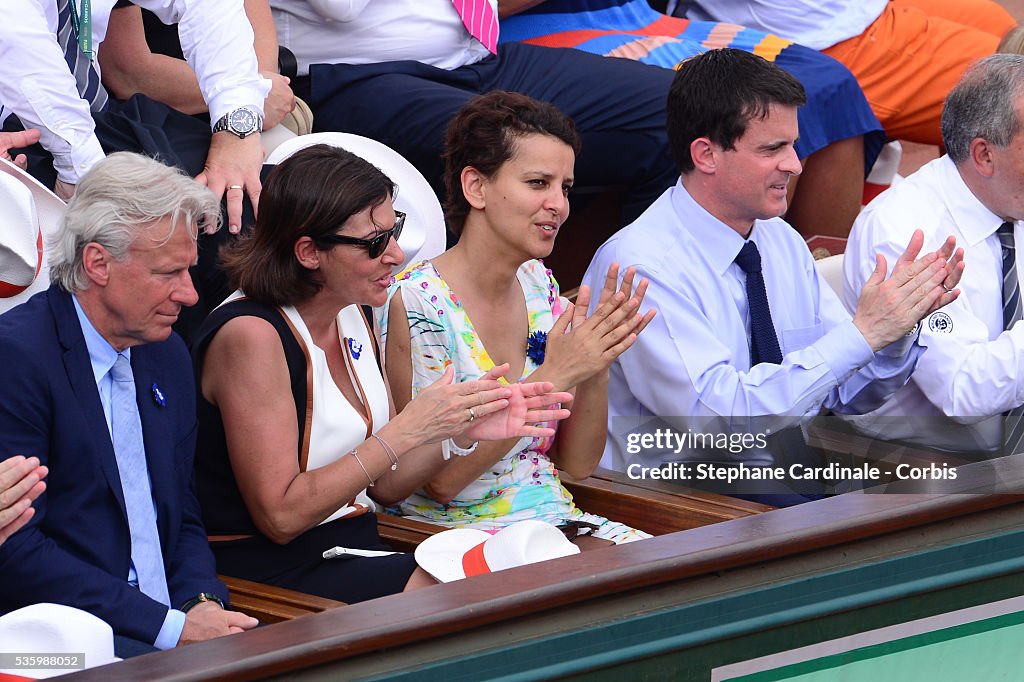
<point>524,483</point>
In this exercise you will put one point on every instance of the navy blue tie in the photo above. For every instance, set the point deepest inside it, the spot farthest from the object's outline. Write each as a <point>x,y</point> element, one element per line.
<point>764,344</point>
<point>86,75</point>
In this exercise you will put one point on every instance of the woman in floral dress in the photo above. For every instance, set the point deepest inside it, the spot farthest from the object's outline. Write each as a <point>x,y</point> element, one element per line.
<point>489,300</point>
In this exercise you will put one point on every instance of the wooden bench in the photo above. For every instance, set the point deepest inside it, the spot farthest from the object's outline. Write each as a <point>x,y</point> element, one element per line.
<point>405,534</point>
<point>270,604</point>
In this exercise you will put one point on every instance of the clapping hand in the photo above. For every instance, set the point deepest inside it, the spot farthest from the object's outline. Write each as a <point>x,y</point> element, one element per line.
<point>21,482</point>
<point>593,342</point>
<point>530,403</point>
<point>954,259</point>
<point>889,307</point>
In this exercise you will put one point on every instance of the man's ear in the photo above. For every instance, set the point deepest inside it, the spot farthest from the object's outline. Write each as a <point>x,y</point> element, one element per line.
<point>474,187</point>
<point>981,155</point>
<point>306,253</point>
<point>704,154</point>
<point>96,263</point>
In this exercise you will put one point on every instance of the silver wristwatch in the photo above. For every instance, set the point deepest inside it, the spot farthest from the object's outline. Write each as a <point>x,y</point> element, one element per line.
<point>242,121</point>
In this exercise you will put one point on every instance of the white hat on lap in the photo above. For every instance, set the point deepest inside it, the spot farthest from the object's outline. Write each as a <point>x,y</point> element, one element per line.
<point>465,552</point>
<point>52,634</point>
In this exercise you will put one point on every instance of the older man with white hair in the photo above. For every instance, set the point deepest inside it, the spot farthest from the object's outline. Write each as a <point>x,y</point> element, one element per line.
<point>98,388</point>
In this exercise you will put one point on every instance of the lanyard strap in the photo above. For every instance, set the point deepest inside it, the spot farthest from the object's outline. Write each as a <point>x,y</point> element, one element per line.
<point>83,26</point>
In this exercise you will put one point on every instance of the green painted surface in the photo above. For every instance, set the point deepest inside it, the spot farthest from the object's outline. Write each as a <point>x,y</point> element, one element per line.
<point>988,650</point>
<point>684,642</point>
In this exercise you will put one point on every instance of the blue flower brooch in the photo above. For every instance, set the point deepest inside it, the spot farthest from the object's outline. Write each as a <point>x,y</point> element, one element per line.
<point>536,344</point>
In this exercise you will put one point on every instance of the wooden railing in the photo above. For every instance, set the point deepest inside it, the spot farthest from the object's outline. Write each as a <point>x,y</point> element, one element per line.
<point>270,604</point>
<point>577,581</point>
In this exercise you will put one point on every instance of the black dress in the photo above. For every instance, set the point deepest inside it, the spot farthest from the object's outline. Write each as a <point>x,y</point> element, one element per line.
<point>298,565</point>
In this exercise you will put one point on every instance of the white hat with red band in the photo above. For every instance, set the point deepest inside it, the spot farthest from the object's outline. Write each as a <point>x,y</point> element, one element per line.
<point>31,213</point>
<point>464,552</point>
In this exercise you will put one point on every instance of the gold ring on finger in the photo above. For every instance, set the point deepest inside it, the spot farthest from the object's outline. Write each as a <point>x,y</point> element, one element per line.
<point>472,414</point>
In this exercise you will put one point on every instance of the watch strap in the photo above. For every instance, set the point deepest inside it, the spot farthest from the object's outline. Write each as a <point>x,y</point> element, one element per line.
<point>199,599</point>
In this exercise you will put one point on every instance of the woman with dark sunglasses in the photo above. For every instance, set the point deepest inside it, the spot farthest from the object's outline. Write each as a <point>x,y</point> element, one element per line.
<point>298,436</point>
<point>489,299</point>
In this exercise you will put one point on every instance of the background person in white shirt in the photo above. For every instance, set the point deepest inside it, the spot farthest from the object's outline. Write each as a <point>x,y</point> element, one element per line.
<point>398,72</point>
<point>37,86</point>
<point>906,54</point>
<point>734,148</point>
<point>973,370</point>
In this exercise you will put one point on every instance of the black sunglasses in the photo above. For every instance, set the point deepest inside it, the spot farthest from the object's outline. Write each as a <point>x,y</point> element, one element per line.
<point>375,246</point>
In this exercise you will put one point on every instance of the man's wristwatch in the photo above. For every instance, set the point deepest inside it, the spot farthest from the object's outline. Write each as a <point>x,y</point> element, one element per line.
<point>199,599</point>
<point>242,122</point>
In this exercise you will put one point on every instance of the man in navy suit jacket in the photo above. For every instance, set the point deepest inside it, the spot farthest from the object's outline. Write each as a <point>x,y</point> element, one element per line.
<point>119,278</point>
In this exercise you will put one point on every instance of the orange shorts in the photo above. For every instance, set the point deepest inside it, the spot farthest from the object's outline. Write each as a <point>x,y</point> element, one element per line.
<point>909,59</point>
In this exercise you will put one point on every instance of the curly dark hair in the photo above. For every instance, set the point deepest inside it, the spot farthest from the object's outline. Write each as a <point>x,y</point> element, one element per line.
<point>483,136</point>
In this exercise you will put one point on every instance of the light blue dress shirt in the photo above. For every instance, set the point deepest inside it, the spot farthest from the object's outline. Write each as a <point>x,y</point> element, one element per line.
<point>693,362</point>
<point>102,357</point>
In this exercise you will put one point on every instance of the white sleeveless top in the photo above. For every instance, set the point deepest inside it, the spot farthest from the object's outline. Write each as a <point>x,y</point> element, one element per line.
<point>333,425</point>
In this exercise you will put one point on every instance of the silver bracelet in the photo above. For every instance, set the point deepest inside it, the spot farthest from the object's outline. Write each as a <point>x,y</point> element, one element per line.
<point>360,463</point>
<point>448,447</point>
<point>392,455</point>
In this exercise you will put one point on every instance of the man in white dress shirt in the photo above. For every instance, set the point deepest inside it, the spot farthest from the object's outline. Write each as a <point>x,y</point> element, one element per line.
<point>38,85</point>
<point>973,371</point>
<point>715,362</point>
<point>398,72</point>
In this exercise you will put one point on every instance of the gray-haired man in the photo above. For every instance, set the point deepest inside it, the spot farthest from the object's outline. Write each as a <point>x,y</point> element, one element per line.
<point>972,373</point>
<point>96,386</point>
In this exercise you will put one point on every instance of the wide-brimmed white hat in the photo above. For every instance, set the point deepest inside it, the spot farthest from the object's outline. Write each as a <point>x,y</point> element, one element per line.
<point>424,233</point>
<point>464,552</point>
<point>32,215</point>
<point>55,631</point>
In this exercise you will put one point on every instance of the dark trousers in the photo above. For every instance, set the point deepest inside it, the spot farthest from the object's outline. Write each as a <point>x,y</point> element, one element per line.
<point>618,106</point>
<point>147,127</point>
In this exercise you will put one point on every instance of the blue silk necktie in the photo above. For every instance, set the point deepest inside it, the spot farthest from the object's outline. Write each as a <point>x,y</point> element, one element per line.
<point>130,451</point>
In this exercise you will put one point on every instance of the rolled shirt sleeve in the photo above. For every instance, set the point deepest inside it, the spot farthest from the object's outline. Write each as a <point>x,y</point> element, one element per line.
<point>217,40</point>
<point>38,87</point>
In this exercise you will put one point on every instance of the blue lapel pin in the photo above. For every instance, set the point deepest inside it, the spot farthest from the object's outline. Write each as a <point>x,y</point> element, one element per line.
<point>158,396</point>
<point>355,348</point>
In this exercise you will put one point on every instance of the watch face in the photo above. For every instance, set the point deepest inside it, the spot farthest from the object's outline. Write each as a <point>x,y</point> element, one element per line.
<point>243,121</point>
